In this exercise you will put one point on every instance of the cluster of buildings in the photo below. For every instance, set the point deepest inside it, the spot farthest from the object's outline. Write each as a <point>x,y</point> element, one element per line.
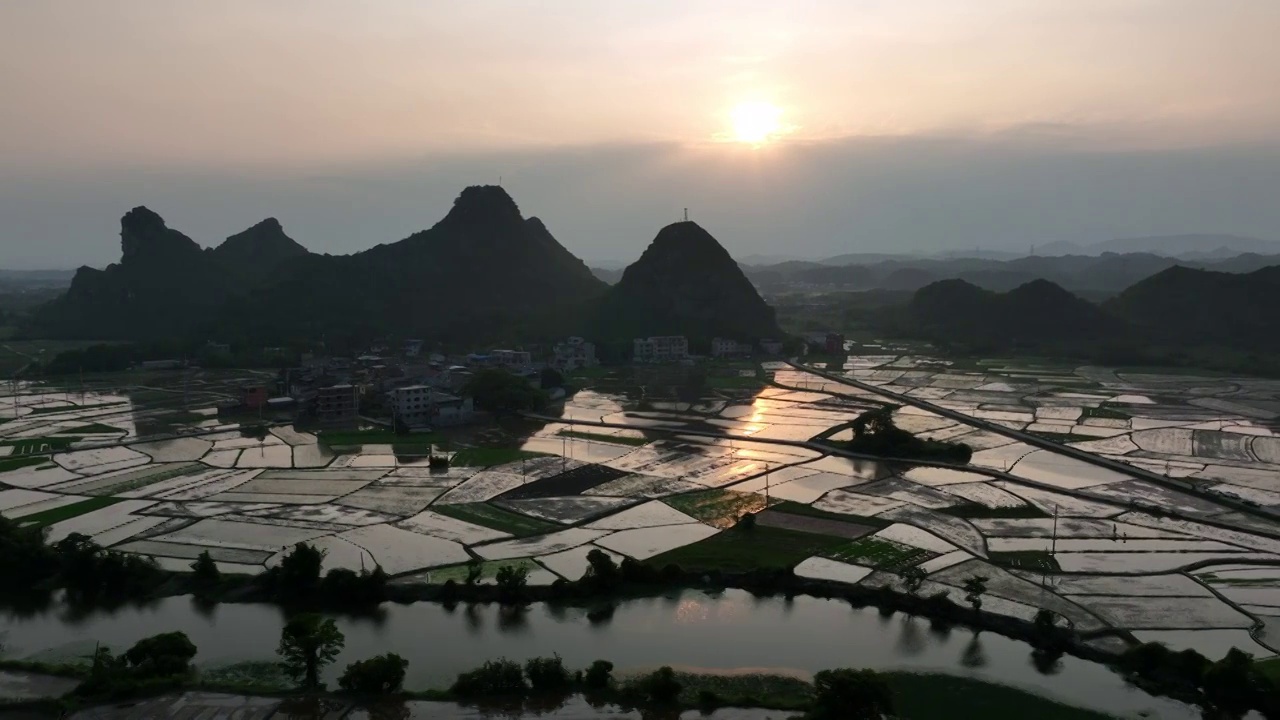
<point>675,348</point>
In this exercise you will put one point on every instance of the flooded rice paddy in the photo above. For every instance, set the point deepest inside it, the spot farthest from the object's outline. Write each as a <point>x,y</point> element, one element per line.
<point>148,469</point>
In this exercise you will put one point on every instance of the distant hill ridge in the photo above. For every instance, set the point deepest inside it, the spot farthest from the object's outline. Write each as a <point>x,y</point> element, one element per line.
<point>483,272</point>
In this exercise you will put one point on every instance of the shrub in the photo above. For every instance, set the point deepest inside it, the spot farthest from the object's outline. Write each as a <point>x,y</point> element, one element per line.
<point>512,581</point>
<point>379,675</point>
<point>163,655</point>
<point>547,675</point>
<point>496,678</point>
<point>709,700</point>
<point>602,571</point>
<point>599,675</point>
<point>845,693</point>
<point>204,572</point>
<point>661,687</point>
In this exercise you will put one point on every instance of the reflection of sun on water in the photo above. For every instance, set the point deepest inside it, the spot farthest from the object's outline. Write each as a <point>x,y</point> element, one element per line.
<point>694,610</point>
<point>755,123</point>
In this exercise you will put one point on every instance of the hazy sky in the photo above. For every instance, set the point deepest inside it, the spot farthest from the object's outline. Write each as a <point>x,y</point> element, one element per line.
<point>904,124</point>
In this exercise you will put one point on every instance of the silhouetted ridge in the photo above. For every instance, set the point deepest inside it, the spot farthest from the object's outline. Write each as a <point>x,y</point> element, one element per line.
<point>1203,306</point>
<point>143,233</point>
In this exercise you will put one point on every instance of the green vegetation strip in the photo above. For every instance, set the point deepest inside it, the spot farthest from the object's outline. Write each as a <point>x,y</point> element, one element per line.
<point>91,429</point>
<point>486,515</point>
<point>8,464</point>
<point>720,508</point>
<point>1270,668</point>
<point>742,550</point>
<point>601,437</point>
<point>66,512</point>
<point>879,554</point>
<point>458,573</point>
<point>1037,560</point>
<point>918,695</point>
<point>1106,411</point>
<point>29,446</point>
<point>488,457</point>
<point>77,408</point>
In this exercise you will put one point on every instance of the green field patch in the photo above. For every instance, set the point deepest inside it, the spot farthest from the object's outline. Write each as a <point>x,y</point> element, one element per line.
<point>1270,667</point>
<point>1060,438</point>
<point>92,429</point>
<point>13,463</point>
<point>879,554</point>
<point>66,512</point>
<point>601,437</point>
<point>795,508</point>
<point>488,457</point>
<point>975,510</point>
<point>742,550</point>
<point>488,570</point>
<point>719,508</point>
<point>1036,560</point>
<point>31,446</point>
<point>257,676</point>
<point>496,518</point>
<point>1107,411</point>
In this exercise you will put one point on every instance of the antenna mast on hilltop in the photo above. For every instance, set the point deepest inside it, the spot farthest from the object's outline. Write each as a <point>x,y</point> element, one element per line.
<point>686,214</point>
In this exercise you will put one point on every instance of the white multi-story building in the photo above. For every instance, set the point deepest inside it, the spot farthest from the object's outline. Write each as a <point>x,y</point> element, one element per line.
<point>660,348</point>
<point>725,347</point>
<point>514,360</point>
<point>574,353</point>
<point>422,405</point>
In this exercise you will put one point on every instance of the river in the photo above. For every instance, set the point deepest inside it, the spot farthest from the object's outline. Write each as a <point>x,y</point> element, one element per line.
<point>729,631</point>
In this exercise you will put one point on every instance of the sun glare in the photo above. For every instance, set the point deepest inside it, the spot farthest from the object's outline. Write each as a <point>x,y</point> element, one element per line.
<point>755,123</point>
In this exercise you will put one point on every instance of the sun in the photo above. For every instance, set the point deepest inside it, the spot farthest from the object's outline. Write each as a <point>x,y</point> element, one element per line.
<point>755,123</point>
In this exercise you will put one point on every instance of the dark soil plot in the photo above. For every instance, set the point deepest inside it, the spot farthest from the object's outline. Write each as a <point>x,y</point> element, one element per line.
<point>1036,560</point>
<point>879,554</point>
<point>66,512</point>
<point>486,515</point>
<point>745,550</point>
<point>818,526</point>
<point>573,482</point>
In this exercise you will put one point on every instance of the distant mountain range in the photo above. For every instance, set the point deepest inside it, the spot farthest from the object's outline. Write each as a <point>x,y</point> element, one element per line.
<point>483,273</point>
<point>1169,314</point>
<point>1187,247</point>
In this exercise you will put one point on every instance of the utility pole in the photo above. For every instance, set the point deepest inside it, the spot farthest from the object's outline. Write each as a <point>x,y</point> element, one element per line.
<point>766,486</point>
<point>686,214</point>
<point>1053,548</point>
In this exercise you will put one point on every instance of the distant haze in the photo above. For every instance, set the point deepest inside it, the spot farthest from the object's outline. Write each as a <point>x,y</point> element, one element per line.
<point>910,126</point>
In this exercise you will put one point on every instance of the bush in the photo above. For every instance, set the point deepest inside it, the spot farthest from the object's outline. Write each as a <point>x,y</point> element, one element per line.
<point>709,700</point>
<point>496,678</point>
<point>547,675</point>
<point>204,572</point>
<point>163,655</point>
<point>599,675</point>
<point>602,572</point>
<point>661,687</point>
<point>297,578</point>
<point>379,675</point>
<point>512,581</point>
<point>844,693</point>
<point>346,588</point>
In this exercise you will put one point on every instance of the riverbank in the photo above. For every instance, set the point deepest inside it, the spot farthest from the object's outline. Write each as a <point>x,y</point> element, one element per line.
<point>704,694</point>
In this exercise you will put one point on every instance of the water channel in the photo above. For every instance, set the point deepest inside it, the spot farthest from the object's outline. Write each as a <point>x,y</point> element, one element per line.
<point>729,631</point>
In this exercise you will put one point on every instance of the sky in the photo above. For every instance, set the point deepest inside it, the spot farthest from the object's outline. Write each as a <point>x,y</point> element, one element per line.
<point>888,125</point>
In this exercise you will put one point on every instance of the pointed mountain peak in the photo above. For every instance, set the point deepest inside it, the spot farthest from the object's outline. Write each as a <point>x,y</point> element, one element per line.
<point>143,233</point>
<point>265,242</point>
<point>484,203</point>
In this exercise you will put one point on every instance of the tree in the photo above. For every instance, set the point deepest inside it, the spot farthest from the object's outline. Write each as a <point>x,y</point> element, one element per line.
<point>307,644</point>
<point>502,393</point>
<point>912,579</point>
<point>298,575</point>
<point>1232,684</point>
<point>512,580</point>
<point>379,675</point>
<point>163,655</point>
<point>475,569</point>
<point>495,679</point>
<point>204,572</point>
<point>975,586</point>
<point>599,675</point>
<point>550,378</point>
<point>547,675</point>
<point>845,693</point>
<point>601,570</point>
<point>661,687</point>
